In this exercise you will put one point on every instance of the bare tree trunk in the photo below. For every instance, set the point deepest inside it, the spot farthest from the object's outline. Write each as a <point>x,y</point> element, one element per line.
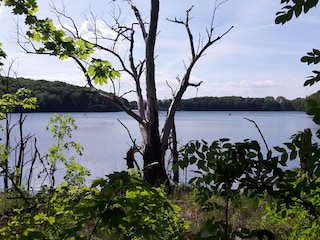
<point>21,149</point>
<point>153,156</point>
<point>6,161</point>
<point>305,139</point>
<point>174,151</point>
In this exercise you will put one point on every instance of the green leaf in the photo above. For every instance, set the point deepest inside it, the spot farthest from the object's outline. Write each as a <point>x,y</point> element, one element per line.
<point>101,71</point>
<point>293,155</point>
<point>113,217</point>
<point>298,5</point>
<point>298,10</point>
<point>281,19</point>
<point>309,4</point>
<point>284,158</point>
<point>280,149</point>
<point>51,220</point>
<point>306,59</point>
<point>98,182</point>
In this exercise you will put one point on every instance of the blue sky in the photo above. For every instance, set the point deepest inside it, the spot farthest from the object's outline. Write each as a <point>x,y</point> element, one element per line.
<point>256,59</point>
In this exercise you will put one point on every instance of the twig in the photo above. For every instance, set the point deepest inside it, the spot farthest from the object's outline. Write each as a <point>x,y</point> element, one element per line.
<point>133,141</point>
<point>264,140</point>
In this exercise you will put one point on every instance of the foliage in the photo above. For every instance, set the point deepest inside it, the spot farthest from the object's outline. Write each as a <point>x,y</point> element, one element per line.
<point>132,209</point>
<point>12,170</point>
<point>227,170</point>
<point>101,71</point>
<point>304,183</point>
<point>9,201</point>
<point>297,223</point>
<point>224,170</point>
<point>22,6</point>
<point>20,100</point>
<point>297,7</point>
<point>122,206</point>
<point>57,43</point>
<point>2,55</point>
<point>62,127</point>
<point>313,56</point>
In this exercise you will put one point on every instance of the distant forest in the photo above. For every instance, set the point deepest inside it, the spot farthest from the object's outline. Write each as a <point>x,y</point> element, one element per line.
<point>62,97</point>
<point>235,103</point>
<point>59,96</point>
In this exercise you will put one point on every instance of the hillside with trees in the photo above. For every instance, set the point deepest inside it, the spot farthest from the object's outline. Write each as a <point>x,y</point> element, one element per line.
<point>59,96</point>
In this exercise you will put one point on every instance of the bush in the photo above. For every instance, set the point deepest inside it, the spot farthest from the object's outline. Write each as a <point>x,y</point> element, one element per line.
<point>122,206</point>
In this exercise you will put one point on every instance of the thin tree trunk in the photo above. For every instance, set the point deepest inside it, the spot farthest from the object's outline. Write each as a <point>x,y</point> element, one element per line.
<point>6,163</point>
<point>20,163</point>
<point>175,152</point>
<point>153,156</point>
<point>305,139</point>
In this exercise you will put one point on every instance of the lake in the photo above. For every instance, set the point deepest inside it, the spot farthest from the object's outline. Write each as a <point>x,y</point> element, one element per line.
<point>105,140</point>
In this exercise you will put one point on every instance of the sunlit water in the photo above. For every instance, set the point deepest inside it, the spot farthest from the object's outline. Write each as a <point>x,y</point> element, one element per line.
<point>105,140</point>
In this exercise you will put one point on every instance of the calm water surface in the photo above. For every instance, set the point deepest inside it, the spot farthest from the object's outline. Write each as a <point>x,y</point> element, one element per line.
<point>106,141</point>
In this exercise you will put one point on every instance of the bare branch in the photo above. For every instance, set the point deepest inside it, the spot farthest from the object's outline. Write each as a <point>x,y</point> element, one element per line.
<point>217,4</point>
<point>186,24</point>
<point>128,131</point>
<point>190,33</point>
<point>172,90</point>
<point>195,84</point>
<point>62,13</point>
<point>255,124</point>
<point>23,41</point>
<point>139,19</point>
<point>127,92</point>
<point>112,98</point>
<point>184,84</point>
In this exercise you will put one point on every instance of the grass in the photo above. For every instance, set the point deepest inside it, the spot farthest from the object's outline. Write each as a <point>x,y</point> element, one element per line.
<point>243,212</point>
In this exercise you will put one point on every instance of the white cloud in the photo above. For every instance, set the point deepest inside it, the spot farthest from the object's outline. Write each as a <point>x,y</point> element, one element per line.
<point>267,83</point>
<point>89,30</point>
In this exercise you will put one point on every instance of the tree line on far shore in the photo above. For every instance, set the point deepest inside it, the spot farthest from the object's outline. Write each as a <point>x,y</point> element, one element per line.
<point>236,103</point>
<point>62,97</point>
<point>56,96</point>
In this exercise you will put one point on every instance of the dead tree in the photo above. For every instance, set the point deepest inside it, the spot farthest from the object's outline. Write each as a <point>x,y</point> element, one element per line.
<point>154,142</point>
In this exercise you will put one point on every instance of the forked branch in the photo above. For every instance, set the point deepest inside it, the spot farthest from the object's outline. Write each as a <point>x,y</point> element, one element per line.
<point>195,56</point>
<point>139,19</point>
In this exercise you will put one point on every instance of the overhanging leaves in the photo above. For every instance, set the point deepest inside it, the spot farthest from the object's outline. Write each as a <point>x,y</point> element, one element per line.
<point>102,70</point>
<point>293,8</point>
<point>22,6</point>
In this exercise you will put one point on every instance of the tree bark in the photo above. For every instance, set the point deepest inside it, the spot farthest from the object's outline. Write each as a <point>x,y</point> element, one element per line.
<point>305,139</point>
<point>153,156</point>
